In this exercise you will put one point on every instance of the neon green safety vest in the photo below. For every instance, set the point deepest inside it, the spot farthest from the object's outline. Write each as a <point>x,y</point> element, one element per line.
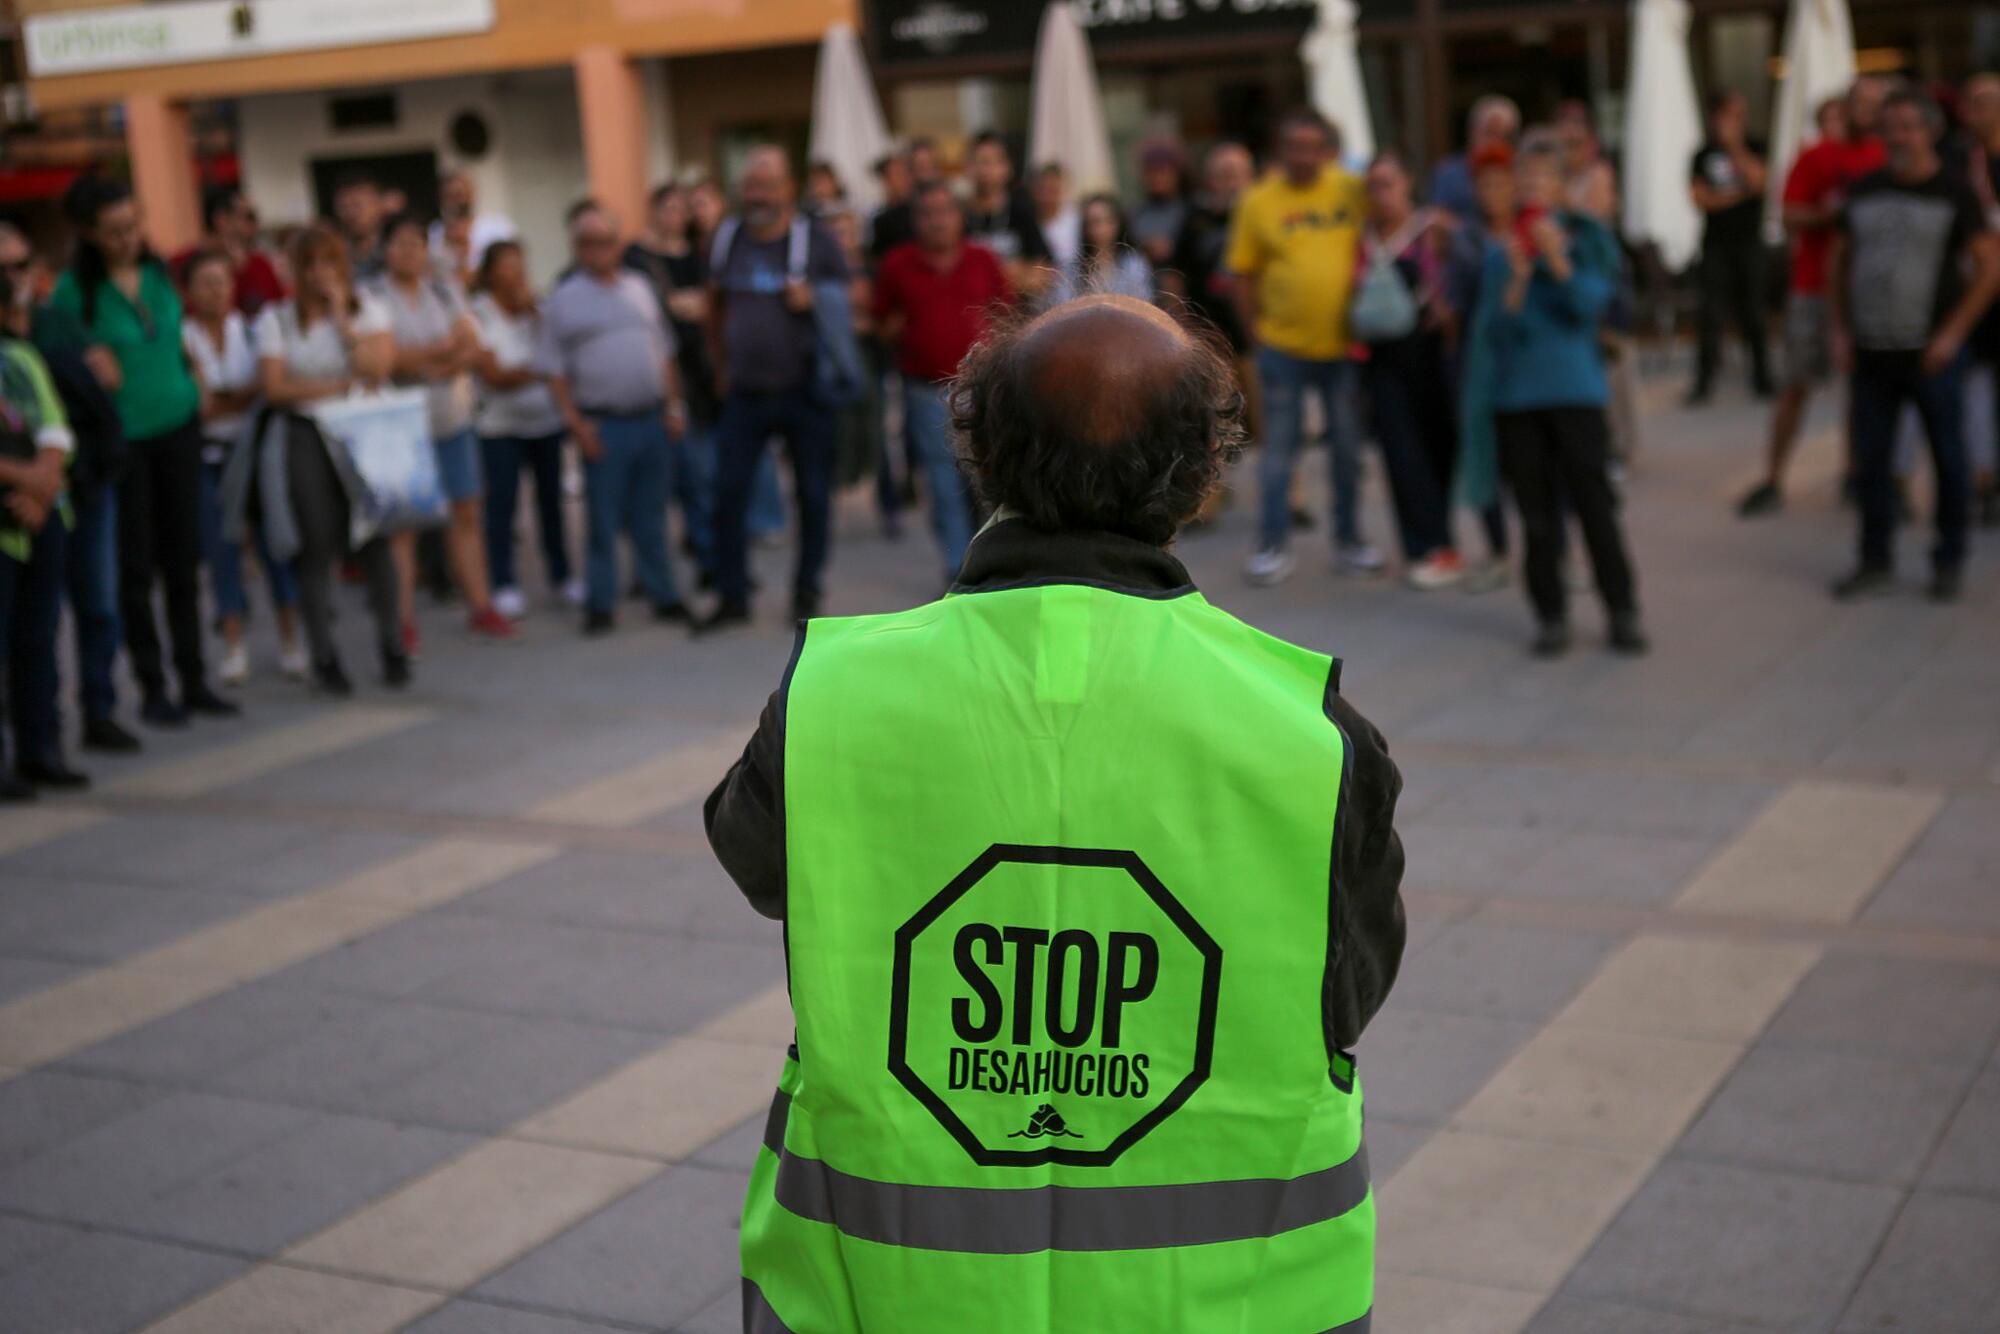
<point>1060,898</point>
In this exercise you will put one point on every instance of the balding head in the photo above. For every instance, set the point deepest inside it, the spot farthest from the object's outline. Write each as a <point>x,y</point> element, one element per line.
<point>1101,414</point>
<point>767,189</point>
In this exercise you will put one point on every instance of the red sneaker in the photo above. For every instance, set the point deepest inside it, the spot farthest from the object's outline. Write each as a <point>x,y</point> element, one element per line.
<point>488,623</point>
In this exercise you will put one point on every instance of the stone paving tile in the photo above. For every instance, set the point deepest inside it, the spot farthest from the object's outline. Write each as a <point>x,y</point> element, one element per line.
<point>735,1151</point>
<point>1848,1116</point>
<point>1390,1144</point>
<point>1637,869</point>
<point>724,1315</point>
<point>43,1108</point>
<point>1914,1008</point>
<point>621,891</point>
<point>1968,826</point>
<point>24,1240</point>
<point>1498,971</point>
<point>194,1045</point>
<point>169,848</point>
<point>114,1173</point>
<point>470,1317</point>
<point>652,1259</point>
<point>1421,1065</point>
<point>19,977</point>
<point>1944,890</point>
<point>1730,1243</point>
<point>1467,858</point>
<point>1968,1157</point>
<point>273,1195</point>
<point>108,1284</point>
<point>1573,1315</point>
<point>525,1066</point>
<point>403,958</point>
<point>1936,1272</point>
<point>75,920</point>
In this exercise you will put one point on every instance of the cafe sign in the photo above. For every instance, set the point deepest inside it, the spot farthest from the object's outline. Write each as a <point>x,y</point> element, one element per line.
<point>918,30</point>
<point>134,36</point>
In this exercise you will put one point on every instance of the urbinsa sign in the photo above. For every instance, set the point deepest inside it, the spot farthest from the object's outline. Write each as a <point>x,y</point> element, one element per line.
<point>1053,1004</point>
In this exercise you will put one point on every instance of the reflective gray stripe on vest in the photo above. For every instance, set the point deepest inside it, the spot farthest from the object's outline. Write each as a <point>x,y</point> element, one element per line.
<point>759,1318</point>
<point>987,1221</point>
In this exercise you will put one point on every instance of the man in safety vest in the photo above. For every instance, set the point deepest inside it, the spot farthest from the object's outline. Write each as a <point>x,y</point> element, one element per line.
<point>1088,887</point>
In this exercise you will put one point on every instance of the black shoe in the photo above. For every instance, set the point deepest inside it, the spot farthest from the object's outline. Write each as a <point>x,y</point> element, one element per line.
<point>704,581</point>
<point>1946,584</point>
<point>330,678</point>
<point>805,605</point>
<point>1764,498</point>
<point>725,617</point>
<point>1302,520</point>
<point>596,623</point>
<point>672,613</point>
<point>15,790</point>
<point>395,668</point>
<point>1870,581</point>
<point>159,711</point>
<point>53,774</point>
<point>1626,635</point>
<point>106,736</point>
<point>204,701</point>
<point>1551,640</point>
<point>1763,389</point>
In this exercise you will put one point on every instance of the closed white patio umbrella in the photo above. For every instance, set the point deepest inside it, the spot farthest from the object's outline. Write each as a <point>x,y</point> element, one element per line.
<point>1335,73</point>
<point>1819,63</point>
<point>1066,117</point>
<point>1663,130</point>
<point>847,126</point>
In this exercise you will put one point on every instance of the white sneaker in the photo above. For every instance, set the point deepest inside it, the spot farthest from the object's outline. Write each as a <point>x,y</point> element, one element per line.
<point>1360,558</point>
<point>1272,565</point>
<point>510,603</point>
<point>292,661</point>
<point>573,593</point>
<point>1440,569</point>
<point>235,667</point>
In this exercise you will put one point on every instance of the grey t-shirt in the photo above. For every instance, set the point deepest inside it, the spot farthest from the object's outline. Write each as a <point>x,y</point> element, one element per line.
<point>428,316</point>
<point>608,340</point>
<point>766,347</point>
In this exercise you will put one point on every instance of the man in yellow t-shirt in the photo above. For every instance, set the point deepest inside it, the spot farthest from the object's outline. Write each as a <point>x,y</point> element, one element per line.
<point>1293,250</point>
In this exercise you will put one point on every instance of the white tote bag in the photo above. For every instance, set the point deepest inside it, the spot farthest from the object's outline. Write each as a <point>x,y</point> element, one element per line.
<point>387,437</point>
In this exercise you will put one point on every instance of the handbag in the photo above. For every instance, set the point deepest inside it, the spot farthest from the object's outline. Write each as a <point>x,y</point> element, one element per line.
<point>386,436</point>
<point>1384,308</point>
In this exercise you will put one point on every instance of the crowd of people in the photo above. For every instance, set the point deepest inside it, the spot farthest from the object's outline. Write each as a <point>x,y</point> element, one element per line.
<point>160,414</point>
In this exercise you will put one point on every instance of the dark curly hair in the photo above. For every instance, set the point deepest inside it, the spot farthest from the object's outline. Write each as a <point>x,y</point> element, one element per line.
<point>1141,469</point>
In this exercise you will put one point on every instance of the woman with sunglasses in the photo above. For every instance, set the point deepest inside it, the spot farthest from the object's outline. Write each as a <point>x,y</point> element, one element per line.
<point>131,317</point>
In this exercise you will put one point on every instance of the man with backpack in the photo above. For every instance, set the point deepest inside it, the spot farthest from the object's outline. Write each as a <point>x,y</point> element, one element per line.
<point>780,323</point>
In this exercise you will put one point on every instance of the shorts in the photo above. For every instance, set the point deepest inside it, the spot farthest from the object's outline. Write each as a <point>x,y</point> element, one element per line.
<point>1808,339</point>
<point>458,466</point>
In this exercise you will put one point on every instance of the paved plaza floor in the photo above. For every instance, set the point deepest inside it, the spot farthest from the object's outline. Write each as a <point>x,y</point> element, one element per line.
<point>433,1012</point>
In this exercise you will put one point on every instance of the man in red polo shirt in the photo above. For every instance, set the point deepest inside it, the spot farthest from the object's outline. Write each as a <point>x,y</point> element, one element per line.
<point>1815,189</point>
<point>934,298</point>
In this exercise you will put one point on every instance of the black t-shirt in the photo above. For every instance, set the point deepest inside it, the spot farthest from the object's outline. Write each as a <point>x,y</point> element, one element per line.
<point>1740,223</point>
<point>1198,258</point>
<point>892,225</point>
<point>1986,338</point>
<point>1011,231</point>
<point>669,274</point>
<point>1906,245</point>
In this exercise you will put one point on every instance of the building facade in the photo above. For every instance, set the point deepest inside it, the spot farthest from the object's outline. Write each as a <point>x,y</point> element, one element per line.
<point>539,102</point>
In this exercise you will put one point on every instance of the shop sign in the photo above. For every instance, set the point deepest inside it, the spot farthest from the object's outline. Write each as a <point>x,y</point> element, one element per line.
<point>134,36</point>
<point>918,30</point>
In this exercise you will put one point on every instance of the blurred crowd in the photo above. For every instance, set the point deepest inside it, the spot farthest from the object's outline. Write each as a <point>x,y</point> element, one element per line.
<point>160,416</point>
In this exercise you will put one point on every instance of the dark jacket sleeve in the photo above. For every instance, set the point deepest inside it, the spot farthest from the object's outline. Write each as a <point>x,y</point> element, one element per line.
<point>1368,922</point>
<point>745,815</point>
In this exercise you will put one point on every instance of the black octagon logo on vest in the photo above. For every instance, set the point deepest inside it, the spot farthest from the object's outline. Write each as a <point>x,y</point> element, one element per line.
<point>1053,1005</point>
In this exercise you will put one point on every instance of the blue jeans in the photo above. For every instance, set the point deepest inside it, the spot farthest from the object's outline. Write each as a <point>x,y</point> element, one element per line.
<point>626,491</point>
<point>503,457</point>
<point>225,558</point>
<point>30,619</point>
<point>742,434</point>
<point>1881,385</point>
<point>93,596</point>
<point>694,493</point>
<point>927,420</point>
<point>767,500</point>
<point>1285,380</point>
